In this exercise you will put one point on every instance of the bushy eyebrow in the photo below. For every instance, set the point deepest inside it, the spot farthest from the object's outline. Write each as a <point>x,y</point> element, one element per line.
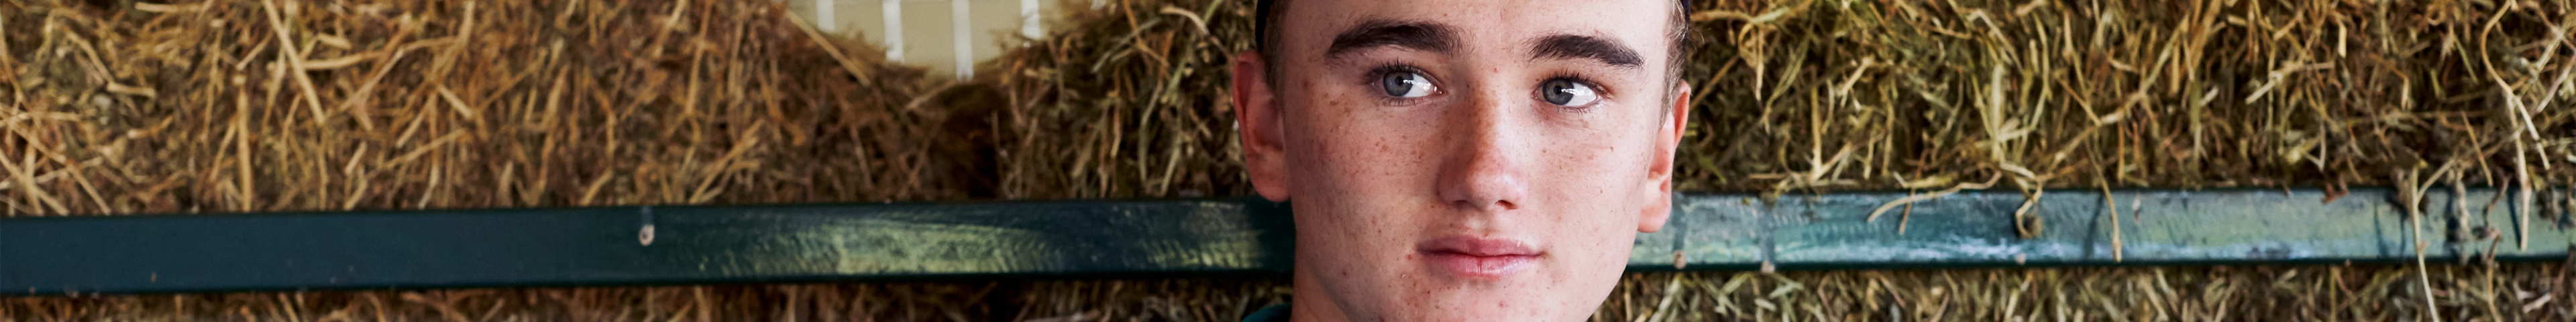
<point>1416,35</point>
<point>1585,47</point>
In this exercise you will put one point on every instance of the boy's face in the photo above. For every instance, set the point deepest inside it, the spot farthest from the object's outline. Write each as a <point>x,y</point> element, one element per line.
<point>1463,160</point>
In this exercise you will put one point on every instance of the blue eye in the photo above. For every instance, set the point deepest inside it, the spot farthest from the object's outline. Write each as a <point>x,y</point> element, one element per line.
<point>1405,84</point>
<point>1568,93</point>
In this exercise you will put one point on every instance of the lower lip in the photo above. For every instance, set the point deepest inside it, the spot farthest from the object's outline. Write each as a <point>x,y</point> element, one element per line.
<point>1480,267</point>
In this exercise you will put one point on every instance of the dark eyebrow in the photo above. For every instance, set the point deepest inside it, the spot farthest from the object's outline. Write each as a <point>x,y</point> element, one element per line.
<point>1585,47</point>
<point>1416,35</point>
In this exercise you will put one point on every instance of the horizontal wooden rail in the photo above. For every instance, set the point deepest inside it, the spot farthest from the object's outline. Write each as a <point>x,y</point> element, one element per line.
<point>786,243</point>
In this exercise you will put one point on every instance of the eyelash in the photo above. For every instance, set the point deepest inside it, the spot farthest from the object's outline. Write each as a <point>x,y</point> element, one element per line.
<point>1603,92</point>
<point>1378,74</point>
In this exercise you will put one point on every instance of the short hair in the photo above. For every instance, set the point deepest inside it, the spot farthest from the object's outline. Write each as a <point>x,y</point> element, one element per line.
<point>1266,11</point>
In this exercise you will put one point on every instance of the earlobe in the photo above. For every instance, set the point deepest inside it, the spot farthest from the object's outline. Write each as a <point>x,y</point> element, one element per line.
<point>1654,218</point>
<point>1257,125</point>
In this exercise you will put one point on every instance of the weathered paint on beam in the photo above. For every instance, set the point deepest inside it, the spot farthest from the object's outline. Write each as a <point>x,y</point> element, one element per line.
<point>707,244</point>
<point>2156,227</point>
<point>609,245</point>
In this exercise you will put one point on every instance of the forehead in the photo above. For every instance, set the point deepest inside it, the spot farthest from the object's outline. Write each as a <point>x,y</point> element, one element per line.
<point>1308,25</point>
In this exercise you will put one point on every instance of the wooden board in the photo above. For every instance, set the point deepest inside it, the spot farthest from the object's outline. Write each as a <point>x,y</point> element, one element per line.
<point>796,243</point>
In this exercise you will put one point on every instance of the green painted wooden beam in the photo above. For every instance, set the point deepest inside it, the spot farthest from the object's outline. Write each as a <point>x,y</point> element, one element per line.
<point>1832,231</point>
<point>635,245</point>
<point>792,243</point>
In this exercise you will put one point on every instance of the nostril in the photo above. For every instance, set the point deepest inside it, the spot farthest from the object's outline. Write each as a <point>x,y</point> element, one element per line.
<point>1496,205</point>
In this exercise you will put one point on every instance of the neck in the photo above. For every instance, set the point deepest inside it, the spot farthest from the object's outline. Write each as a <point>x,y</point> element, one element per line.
<point>1307,300</point>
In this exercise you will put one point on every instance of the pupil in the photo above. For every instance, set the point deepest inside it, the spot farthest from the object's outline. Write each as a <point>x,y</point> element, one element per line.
<point>1396,86</point>
<point>1556,93</point>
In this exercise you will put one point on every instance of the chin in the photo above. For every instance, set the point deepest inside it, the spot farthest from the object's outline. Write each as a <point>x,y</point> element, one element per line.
<point>1490,304</point>
<point>1489,315</point>
<point>1481,317</point>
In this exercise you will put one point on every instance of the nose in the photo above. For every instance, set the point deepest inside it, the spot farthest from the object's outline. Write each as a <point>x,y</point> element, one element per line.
<point>1482,170</point>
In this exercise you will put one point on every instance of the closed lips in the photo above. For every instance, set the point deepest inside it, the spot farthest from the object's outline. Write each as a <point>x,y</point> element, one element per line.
<point>1478,258</point>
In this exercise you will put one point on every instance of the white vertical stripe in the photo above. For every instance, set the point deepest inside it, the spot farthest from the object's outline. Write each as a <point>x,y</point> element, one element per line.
<point>959,35</point>
<point>1029,19</point>
<point>823,15</point>
<point>894,29</point>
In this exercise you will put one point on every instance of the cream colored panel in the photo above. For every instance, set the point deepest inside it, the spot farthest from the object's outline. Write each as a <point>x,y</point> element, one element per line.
<point>929,38</point>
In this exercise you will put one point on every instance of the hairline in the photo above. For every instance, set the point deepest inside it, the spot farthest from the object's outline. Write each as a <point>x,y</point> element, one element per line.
<point>1676,32</point>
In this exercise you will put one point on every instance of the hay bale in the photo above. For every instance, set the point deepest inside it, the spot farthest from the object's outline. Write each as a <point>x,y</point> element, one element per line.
<point>231,106</point>
<point>2143,93</point>
<point>1125,100</point>
<point>2527,292</point>
<point>120,107</point>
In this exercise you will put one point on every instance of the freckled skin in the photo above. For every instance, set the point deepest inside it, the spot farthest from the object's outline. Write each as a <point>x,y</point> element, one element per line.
<point>1482,157</point>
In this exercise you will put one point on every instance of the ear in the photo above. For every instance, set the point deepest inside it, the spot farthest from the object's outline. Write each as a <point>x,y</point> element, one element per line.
<point>1256,119</point>
<point>1659,171</point>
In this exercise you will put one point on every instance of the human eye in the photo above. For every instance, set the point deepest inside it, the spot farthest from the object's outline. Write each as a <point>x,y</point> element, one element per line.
<point>1569,92</point>
<point>1403,83</point>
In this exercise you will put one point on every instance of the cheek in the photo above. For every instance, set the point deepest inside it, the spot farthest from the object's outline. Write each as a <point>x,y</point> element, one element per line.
<point>1358,159</point>
<point>1600,183</point>
<point>1596,169</point>
<point>1357,152</point>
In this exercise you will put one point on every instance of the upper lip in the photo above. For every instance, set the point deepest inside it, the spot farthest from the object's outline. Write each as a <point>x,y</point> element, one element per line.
<point>1477,246</point>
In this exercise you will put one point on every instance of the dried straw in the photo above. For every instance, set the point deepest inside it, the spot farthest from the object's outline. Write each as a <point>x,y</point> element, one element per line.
<point>120,107</point>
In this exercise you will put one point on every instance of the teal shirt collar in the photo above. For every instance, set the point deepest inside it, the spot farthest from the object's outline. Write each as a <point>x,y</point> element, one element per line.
<point>1273,313</point>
